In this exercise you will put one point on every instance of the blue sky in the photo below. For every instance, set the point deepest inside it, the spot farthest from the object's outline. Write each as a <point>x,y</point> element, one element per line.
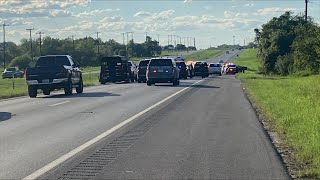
<point>210,22</point>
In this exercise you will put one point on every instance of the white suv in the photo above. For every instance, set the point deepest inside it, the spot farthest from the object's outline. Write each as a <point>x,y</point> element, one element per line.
<point>214,68</point>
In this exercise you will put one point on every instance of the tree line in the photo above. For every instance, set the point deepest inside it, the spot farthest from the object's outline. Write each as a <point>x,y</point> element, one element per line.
<point>288,44</point>
<point>85,51</point>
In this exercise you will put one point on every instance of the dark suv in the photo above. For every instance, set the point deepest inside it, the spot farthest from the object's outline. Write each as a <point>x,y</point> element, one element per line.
<point>142,70</point>
<point>161,70</point>
<point>201,69</point>
<point>183,69</point>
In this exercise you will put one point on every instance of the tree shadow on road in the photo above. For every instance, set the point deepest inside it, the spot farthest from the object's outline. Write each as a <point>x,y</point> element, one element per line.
<point>85,95</point>
<point>5,116</point>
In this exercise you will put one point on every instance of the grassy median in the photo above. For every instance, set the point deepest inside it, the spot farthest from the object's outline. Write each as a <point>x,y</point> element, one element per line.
<point>17,87</point>
<point>292,105</point>
<point>204,54</point>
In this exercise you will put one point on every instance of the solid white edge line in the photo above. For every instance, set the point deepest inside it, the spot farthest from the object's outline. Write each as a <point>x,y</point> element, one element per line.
<point>59,103</point>
<point>75,151</point>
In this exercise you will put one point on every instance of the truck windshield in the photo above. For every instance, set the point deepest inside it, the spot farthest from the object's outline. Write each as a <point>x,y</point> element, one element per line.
<point>51,61</point>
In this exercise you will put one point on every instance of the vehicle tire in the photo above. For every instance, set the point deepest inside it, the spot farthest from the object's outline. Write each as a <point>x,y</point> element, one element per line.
<point>68,88</point>
<point>220,74</point>
<point>32,91</point>
<point>102,82</point>
<point>79,89</point>
<point>149,83</point>
<point>46,92</point>
<point>176,83</point>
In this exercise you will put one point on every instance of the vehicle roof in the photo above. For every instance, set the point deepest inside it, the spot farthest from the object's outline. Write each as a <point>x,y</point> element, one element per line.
<point>164,58</point>
<point>54,55</point>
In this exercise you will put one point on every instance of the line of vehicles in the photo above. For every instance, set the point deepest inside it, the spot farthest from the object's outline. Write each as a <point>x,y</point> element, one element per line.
<point>53,72</point>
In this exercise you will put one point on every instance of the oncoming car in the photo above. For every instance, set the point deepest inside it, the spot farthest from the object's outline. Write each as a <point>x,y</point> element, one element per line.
<point>162,70</point>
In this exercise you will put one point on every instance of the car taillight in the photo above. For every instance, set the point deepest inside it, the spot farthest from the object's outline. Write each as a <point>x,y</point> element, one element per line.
<point>154,71</point>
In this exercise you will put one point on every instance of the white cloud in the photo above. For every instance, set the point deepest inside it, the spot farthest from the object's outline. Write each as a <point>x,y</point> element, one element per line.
<point>142,14</point>
<point>38,8</point>
<point>95,12</point>
<point>249,5</point>
<point>111,19</point>
<point>272,11</point>
<point>187,1</point>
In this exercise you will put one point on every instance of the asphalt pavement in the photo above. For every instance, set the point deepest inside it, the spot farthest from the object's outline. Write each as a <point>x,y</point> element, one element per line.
<point>202,131</point>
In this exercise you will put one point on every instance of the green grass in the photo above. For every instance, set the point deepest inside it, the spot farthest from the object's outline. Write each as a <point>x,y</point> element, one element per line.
<point>90,68</point>
<point>7,90</point>
<point>204,54</point>
<point>292,105</point>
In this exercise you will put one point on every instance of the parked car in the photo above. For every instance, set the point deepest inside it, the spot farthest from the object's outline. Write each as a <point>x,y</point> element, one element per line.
<point>221,62</point>
<point>133,71</point>
<point>54,72</point>
<point>114,69</point>
<point>214,68</point>
<point>183,71</point>
<point>231,69</point>
<point>201,69</point>
<point>162,70</point>
<point>142,70</point>
<point>12,72</point>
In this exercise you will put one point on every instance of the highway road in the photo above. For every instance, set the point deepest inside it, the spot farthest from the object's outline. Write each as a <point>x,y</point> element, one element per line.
<point>204,128</point>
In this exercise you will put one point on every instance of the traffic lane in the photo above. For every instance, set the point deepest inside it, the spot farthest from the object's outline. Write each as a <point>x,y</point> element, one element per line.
<point>31,140</point>
<point>209,133</point>
<point>225,57</point>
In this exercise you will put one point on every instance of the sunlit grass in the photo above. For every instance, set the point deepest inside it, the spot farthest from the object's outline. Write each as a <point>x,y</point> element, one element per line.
<point>292,104</point>
<point>204,54</point>
<point>17,87</point>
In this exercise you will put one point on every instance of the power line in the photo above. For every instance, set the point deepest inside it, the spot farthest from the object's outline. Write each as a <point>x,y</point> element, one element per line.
<point>40,40</point>
<point>31,51</point>
<point>4,44</point>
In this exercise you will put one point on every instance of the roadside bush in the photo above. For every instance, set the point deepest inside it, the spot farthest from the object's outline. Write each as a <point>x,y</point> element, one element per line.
<point>284,64</point>
<point>22,62</point>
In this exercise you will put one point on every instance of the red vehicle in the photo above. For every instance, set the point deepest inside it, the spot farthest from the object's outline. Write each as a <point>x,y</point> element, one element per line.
<point>231,69</point>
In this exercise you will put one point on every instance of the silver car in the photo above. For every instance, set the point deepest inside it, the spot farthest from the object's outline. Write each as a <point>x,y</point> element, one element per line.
<point>12,72</point>
<point>162,70</point>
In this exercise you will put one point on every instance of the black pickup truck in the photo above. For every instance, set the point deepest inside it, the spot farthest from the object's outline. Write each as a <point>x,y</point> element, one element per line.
<point>54,72</point>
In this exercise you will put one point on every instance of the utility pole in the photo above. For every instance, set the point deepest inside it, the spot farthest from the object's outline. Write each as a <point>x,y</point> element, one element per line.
<point>4,44</point>
<point>158,38</point>
<point>168,40</point>
<point>244,42</point>
<point>40,41</point>
<point>146,35</point>
<point>73,47</point>
<point>132,36</point>
<point>233,40</point>
<point>123,38</point>
<point>98,42</point>
<point>194,42</point>
<point>306,11</point>
<point>31,51</point>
